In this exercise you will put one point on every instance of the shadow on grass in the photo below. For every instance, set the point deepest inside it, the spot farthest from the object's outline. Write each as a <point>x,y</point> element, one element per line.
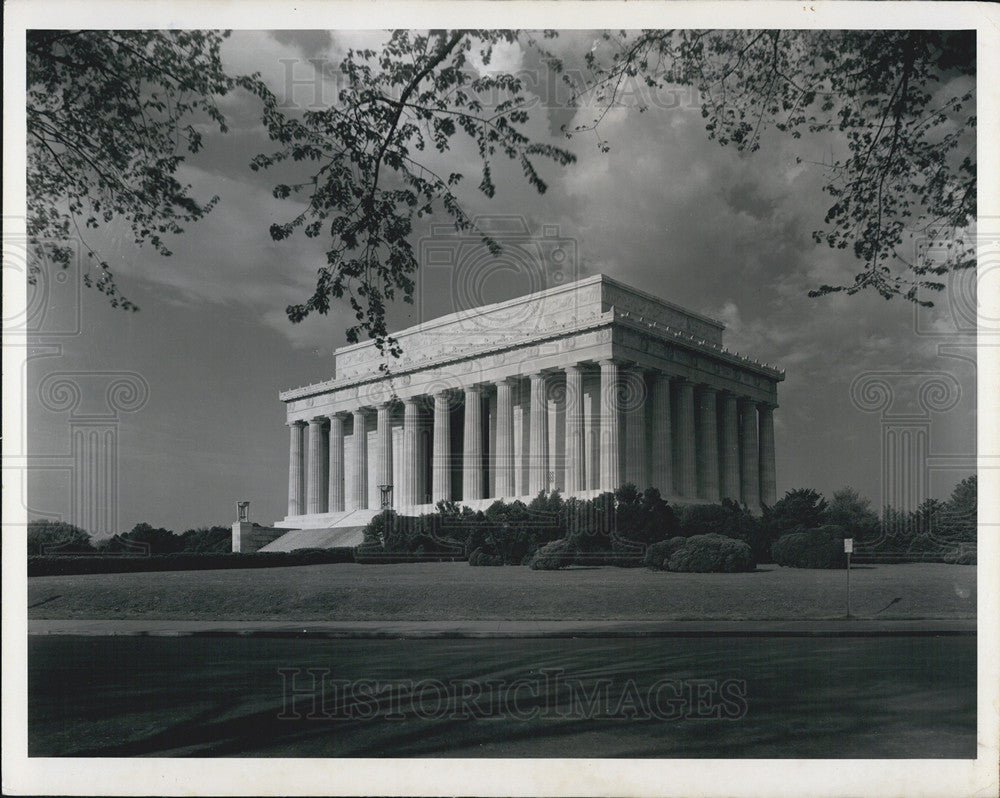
<point>859,697</point>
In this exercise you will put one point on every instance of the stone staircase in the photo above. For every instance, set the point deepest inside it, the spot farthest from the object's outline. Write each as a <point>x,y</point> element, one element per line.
<point>330,531</point>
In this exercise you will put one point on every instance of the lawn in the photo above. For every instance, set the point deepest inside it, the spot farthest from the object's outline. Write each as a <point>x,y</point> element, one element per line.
<point>457,591</point>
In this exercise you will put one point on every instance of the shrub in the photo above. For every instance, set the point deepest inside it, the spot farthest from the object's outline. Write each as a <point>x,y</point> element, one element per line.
<point>644,518</point>
<point>712,553</point>
<point>854,513</point>
<point>552,556</point>
<point>155,540</point>
<point>216,539</point>
<point>803,508</point>
<point>822,547</point>
<point>703,519</point>
<point>480,557</point>
<point>658,554</point>
<point>56,536</point>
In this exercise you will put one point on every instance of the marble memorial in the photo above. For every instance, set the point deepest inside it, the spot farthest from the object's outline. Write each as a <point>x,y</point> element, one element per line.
<point>578,388</point>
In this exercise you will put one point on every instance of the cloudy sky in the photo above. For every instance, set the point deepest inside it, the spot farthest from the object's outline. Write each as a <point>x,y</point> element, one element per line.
<point>665,210</point>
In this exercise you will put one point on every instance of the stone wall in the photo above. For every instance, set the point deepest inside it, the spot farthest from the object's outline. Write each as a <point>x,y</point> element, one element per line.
<point>248,538</point>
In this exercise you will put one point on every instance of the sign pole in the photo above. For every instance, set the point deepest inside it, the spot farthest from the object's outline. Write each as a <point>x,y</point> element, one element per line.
<point>848,584</point>
<point>848,549</point>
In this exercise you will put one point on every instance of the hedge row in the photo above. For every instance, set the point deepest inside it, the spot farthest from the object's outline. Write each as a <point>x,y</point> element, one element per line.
<point>57,565</point>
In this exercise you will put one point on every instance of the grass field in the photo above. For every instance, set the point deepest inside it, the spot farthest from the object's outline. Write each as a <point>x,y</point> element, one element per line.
<point>860,697</point>
<point>456,591</point>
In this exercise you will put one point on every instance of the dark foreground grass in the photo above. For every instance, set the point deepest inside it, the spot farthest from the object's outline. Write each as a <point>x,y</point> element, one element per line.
<point>456,591</point>
<point>863,697</point>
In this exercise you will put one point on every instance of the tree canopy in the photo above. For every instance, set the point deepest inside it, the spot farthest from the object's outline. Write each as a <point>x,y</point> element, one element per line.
<point>110,118</point>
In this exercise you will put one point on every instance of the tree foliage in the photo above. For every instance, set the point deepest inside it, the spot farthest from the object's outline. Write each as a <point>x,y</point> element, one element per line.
<point>797,510</point>
<point>52,537</point>
<point>110,116</point>
<point>887,96</point>
<point>853,512</point>
<point>112,113</point>
<point>370,179</point>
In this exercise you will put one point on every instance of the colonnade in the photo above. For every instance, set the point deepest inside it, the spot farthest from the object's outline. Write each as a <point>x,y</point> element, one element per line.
<point>693,441</point>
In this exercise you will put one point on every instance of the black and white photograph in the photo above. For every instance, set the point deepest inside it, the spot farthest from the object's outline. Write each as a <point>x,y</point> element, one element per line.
<point>584,398</point>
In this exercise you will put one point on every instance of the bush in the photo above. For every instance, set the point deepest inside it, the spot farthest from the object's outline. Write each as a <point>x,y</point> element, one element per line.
<point>552,556</point>
<point>216,539</point>
<point>480,557</point>
<point>822,547</point>
<point>703,519</point>
<point>56,536</point>
<point>643,517</point>
<point>658,554</point>
<point>712,553</point>
<point>797,510</point>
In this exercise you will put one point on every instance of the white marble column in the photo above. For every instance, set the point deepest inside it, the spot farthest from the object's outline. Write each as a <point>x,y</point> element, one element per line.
<point>707,442</point>
<point>316,475</point>
<point>472,445</point>
<point>661,448</point>
<point>296,492</point>
<point>575,448</point>
<point>522,422</point>
<point>729,447</point>
<point>634,400</point>
<point>383,454</point>
<point>441,454</point>
<point>749,460</point>
<point>335,492</point>
<point>410,465</point>
<point>686,459</point>
<point>768,488</point>
<point>503,458</point>
<point>538,445</point>
<point>359,488</point>
<point>611,475</point>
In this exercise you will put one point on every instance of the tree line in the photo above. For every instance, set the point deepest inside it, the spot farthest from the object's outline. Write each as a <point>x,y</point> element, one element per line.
<point>60,537</point>
<point>625,520</point>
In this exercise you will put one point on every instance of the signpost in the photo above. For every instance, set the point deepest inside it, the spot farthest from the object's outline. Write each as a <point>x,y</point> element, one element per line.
<point>848,549</point>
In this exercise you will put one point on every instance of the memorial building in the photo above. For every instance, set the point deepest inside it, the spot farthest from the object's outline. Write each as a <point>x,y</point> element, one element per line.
<point>579,388</point>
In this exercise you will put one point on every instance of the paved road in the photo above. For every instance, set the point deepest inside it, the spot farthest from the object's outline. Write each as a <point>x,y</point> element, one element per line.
<point>652,696</point>
<point>853,627</point>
